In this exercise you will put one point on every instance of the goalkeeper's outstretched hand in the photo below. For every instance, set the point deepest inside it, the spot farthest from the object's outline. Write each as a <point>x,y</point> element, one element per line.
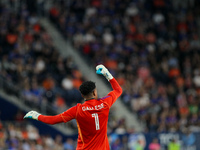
<point>101,69</point>
<point>32,115</point>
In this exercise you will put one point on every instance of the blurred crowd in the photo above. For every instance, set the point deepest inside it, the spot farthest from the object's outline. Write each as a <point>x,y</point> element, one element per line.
<point>31,65</point>
<point>24,136</point>
<point>152,47</point>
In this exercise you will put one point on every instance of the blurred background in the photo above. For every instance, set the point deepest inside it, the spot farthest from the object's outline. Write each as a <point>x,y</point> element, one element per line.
<point>152,47</point>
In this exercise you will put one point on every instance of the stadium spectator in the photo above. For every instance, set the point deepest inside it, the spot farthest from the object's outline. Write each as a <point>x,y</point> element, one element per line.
<point>173,145</point>
<point>188,139</point>
<point>69,144</point>
<point>117,144</point>
<point>154,145</point>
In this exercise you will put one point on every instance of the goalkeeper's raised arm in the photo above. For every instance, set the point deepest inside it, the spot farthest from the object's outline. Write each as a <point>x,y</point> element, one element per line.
<point>117,90</point>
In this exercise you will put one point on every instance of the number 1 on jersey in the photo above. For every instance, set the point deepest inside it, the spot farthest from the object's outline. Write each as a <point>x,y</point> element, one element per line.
<point>96,117</point>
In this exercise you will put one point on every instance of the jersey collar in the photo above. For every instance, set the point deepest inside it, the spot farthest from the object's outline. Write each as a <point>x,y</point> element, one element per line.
<point>89,99</point>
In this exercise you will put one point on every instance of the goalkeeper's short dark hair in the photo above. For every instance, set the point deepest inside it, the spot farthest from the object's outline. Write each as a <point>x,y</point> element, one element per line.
<point>87,87</point>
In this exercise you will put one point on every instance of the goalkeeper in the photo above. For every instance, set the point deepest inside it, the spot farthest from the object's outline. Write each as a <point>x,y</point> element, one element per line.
<point>91,116</point>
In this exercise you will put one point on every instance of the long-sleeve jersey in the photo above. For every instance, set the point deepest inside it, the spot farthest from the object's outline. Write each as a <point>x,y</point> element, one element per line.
<point>91,117</point>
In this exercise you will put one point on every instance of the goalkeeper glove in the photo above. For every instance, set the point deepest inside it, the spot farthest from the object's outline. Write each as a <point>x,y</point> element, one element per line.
<point>101,69</point>
<point>32,115</point>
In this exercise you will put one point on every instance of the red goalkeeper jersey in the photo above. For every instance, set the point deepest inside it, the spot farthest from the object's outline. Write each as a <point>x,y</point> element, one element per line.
<point>92,118</point>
